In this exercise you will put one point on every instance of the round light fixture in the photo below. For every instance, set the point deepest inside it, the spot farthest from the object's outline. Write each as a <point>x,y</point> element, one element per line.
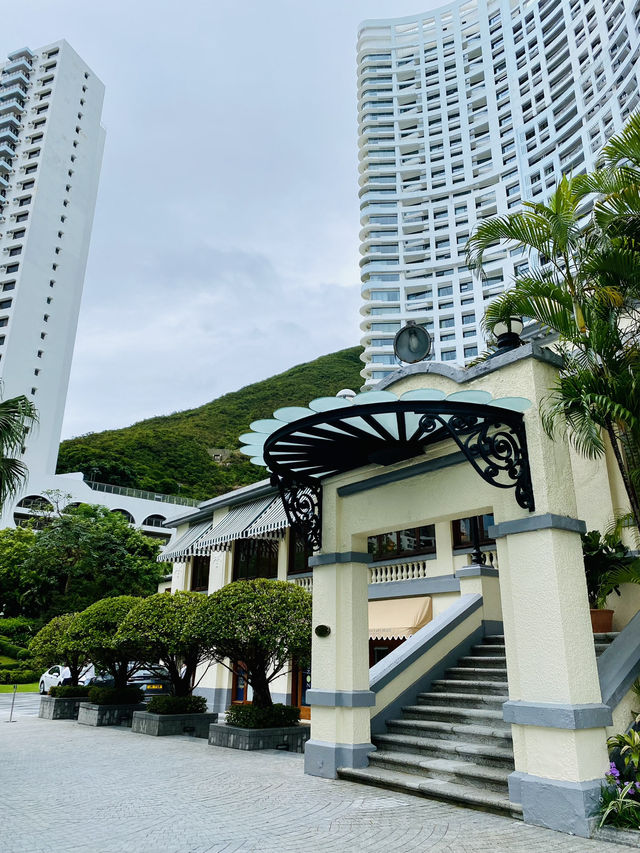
<point>507,334</point>
<point>412,343</point>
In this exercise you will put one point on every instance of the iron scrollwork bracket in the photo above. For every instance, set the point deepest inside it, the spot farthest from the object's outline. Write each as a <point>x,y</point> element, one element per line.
<point>303,506</point>
<point>495,446</point>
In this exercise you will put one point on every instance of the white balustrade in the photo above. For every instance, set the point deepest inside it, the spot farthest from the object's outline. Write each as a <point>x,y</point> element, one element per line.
<point>408,571</point>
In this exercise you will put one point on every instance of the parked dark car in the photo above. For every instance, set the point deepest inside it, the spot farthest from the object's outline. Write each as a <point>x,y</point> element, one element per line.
<point>154,682</point>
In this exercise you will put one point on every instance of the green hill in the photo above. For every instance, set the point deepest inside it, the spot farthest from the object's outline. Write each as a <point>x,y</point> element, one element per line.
<point>175,453</point>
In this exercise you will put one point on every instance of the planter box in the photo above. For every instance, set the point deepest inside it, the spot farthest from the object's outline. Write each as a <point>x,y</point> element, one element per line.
<point>291,738</point>
<point>158,725</point>
<point>107,715</point>
<point>628,837</point>
<point>53,708</point>
<point>601,621</point>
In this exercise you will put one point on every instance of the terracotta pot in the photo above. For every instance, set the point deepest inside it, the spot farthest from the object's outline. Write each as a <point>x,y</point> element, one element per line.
<point>602,621</point>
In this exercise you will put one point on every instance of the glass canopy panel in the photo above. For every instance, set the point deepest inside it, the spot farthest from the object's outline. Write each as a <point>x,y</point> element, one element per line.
<point>374,397</point>
<point>423,394</point>
<point>327,404</point>
<point>253,437</point>
<point>292,413</point>
<point>266,425</point>
<point>470,397</point>
<point>516,404</point>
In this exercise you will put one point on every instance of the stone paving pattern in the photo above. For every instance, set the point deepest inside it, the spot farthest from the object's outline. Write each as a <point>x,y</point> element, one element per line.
<point>68,788</point>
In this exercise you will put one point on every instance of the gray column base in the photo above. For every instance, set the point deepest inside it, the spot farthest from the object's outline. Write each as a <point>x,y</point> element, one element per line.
<point>322,758</point>
<point>564,806</point>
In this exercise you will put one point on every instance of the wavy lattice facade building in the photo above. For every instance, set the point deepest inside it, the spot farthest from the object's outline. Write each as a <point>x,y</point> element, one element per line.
<point>465,112</point>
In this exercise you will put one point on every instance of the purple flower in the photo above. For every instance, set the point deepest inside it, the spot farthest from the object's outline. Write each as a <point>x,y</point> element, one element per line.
<point>613,771</point>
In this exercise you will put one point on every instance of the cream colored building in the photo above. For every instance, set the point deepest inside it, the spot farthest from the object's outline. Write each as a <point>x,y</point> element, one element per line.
<point>432,448</point>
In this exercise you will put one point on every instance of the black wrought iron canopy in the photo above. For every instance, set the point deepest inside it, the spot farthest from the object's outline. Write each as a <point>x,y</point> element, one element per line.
<point>302,446</point>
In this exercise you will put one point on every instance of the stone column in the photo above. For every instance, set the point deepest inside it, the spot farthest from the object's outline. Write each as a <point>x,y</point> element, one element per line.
<point>339,697</point>
<point>555,704</point>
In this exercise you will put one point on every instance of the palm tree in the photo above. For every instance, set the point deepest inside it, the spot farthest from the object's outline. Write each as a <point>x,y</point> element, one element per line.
<point>17,415</point>
<point>584,285</point>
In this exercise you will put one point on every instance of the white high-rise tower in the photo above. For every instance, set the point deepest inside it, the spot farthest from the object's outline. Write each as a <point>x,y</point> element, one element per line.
<point>465,112</point>
<point>51,144</point>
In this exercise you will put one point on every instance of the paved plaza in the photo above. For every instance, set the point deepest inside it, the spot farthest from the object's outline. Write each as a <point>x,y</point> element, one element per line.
<point>68,788</point>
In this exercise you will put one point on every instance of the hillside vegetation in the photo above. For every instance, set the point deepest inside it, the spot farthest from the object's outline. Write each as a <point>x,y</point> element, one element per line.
<point>174,453</point>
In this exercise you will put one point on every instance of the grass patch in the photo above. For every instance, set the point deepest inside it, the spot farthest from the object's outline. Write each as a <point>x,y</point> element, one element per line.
<point>22,688</point>
<point>5,659</point>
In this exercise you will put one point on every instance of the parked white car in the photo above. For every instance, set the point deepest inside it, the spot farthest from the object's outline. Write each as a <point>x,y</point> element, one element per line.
<point>56,673</point>
<point>51,678</point>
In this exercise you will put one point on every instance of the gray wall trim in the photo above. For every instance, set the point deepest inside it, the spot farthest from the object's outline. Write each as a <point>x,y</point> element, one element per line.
<point>477,572</point>
<point>341,698</point>
<point>408,589</point>
<point>462,376</point>
<point>342,557</point>
<point>323,758</point>
<point>557,716</point>
<point>218,698</point>
<point>492,627</point>
<point>547,520</point>
<point>403,474</point>
<point>619,665</point>
<point>565,806</point>
<point>414,647</point>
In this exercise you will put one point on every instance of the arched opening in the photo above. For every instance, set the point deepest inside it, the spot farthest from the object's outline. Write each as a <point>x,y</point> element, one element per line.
<point>126,514</point>
<point>154,521</point>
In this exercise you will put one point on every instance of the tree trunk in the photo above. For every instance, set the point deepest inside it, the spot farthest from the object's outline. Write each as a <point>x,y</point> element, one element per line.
<point>261,694</point>
<point>628,485</point>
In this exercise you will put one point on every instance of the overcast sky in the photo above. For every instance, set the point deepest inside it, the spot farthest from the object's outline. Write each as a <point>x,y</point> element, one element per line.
<point>225,241</point>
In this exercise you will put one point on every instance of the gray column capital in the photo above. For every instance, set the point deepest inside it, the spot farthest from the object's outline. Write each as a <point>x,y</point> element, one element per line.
<point>340,557</point>
<point>546,521</point>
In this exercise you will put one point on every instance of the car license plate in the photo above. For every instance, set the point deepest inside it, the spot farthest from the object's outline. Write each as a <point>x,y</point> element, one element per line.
<point>154,686</point>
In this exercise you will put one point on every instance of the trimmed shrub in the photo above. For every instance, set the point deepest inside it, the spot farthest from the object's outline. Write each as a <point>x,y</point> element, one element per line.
<point>177,705</point>
<point>9,649</point>
<point>24,654</point>
<point>19,630</point>
<point>18,676</point>
<point>68,691</point>
<point>115,695</point>
<point>250,717</point>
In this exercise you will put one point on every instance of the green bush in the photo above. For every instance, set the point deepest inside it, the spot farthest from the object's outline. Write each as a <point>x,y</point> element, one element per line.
<point>177,705</point>
<point>18,676</point>
<point>9,649</point>
<point>250,717</point>
<point>68,691</point>
<point>19,629</point>
<point>115,695</point>
<point>24,654</point>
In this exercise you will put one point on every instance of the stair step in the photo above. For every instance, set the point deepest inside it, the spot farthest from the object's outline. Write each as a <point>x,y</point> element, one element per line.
<point>493,640</point>
<point>493,756</point>
<point>463,795</point>
<point>471,686</point>
<point>606,638</point>
<point>467,716</point>
<point>468,673</point>
<point>493,649</point>
<point>444,769</point>
<point>498,735</point>
<point>463,700</point>
<point>486,661</point>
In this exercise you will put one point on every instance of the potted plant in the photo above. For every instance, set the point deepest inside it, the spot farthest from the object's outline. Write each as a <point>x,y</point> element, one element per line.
<point>265,624</point>
<point>51,645</point>
<point>173,629</point>
<point>608,564</point>
<point>95,630</point>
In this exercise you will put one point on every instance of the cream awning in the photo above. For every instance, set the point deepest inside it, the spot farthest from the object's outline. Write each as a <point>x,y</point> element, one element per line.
<point>398,618</point>
<point>234,524</point>
<point>186,545</point>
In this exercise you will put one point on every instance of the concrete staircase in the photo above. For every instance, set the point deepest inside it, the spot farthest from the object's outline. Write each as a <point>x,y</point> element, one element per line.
<point>453,744</point>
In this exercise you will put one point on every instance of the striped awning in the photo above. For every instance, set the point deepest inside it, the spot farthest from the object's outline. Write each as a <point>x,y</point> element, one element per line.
<point>271,524</point>
<point>187,545</point>
<point>235,524</point>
